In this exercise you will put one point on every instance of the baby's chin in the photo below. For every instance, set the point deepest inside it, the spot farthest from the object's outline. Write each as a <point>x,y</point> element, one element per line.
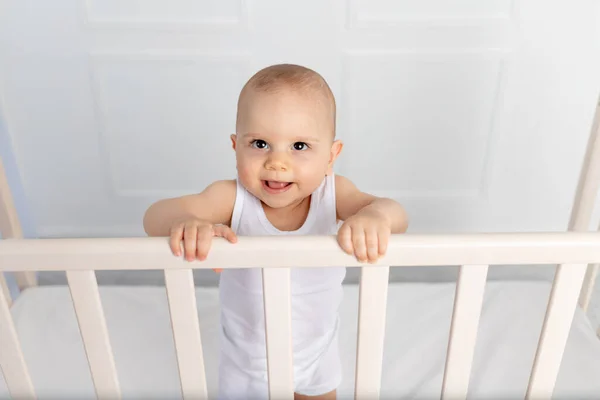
<point>279,201</point>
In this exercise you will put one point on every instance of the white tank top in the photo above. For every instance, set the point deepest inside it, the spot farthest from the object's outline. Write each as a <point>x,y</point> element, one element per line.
<point>316,292</point>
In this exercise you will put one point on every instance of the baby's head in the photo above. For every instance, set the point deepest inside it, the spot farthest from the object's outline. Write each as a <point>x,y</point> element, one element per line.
<point>285,134</point>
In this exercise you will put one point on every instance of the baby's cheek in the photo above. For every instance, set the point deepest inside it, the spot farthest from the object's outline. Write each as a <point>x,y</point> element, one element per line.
<point>247,178</point>
<point>252,160</point>
<point>245,175</point>
<point>305,160</point>
<point>247,165</point>
<point>310,168</point>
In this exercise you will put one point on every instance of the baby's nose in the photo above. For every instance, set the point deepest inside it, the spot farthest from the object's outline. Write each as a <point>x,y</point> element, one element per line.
<point>276,164</point>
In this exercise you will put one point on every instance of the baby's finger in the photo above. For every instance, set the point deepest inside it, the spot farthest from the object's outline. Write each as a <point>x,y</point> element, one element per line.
<point>358,241</point>
<point>225,232</point>
<point>384,238</point>
<point>190,234</point>
<point>218,270</point>
<point>175,240</point>
<point>344,238</point>
<point>204,242</point>
<point>372,245</point>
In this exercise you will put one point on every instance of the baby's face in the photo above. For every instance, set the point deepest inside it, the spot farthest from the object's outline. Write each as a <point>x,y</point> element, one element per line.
<point>284,146</point>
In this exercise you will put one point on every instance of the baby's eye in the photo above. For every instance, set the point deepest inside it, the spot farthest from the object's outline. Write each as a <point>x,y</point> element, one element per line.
<point>259,144</point>
<point>300,146</point>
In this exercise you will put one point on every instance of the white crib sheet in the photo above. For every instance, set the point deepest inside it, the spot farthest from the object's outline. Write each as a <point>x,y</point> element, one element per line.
<point>417,331</point>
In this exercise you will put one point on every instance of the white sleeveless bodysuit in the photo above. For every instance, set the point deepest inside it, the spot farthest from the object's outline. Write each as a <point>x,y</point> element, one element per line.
<point>316,296</point>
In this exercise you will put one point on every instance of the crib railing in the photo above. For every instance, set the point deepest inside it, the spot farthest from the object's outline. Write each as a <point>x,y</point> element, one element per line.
<point>473,253</point>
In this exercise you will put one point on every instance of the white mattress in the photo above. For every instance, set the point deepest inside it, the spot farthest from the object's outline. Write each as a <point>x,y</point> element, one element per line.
<point>416,339</point>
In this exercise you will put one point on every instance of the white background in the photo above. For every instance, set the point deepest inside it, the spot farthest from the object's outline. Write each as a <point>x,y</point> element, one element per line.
<point>474,114</point>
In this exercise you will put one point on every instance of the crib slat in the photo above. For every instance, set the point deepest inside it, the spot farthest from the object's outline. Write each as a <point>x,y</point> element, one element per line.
<point>555,331</point>
<point>372,307</point>
<point>278,327</point>
<point>468,299</point>
<point>587,291</point>
<point>12,362</point>
<point>92,326</point>
<point>4,290</point>
<point>186,332</point>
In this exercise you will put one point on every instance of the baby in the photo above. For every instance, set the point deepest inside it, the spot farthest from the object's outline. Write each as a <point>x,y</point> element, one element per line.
<point>285,149</point>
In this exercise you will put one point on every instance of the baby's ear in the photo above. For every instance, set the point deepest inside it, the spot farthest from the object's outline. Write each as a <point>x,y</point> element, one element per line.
<point>233,141</point>
<point>336,149</point>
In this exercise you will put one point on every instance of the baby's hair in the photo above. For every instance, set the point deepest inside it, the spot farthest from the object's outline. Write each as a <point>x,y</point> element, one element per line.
<point>279,77</point>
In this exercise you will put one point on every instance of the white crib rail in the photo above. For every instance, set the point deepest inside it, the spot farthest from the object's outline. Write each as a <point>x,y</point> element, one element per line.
<point>309,251</point>
<point>79,257</point>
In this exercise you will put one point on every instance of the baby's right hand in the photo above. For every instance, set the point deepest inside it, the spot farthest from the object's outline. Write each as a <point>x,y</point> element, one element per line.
<point>197,237</point>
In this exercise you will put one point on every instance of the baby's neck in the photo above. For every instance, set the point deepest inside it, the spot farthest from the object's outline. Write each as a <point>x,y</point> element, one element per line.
<point>289,218</point>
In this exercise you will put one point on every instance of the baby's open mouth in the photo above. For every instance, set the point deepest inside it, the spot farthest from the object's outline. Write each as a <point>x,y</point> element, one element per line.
<point>276,186</point>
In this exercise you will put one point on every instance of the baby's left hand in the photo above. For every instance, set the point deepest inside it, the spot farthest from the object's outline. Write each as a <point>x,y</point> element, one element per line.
<point>365,235</point>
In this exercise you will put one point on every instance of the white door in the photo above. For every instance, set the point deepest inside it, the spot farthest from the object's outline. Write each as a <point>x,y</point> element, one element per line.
<point>474,114</point>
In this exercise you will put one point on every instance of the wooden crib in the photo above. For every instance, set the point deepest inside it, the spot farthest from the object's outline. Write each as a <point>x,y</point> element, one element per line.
<point>576,254</point>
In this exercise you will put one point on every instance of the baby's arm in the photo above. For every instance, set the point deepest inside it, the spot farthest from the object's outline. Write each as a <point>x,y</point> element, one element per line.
<point>195,219</point>
<point>368,221</point>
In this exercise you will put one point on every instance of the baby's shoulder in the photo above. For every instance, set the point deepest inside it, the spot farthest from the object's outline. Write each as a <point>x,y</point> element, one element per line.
<point>225,186</point>
<point>349,198</point>
<point>343,185</point>
<point>218,199</point>
<point>220,193</point>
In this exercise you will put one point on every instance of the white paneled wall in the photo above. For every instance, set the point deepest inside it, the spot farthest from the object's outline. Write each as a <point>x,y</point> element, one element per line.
<point>473,114</point>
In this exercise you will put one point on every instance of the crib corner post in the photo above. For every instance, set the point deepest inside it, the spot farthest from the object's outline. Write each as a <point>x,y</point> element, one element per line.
<point>585,199</point>
<point>10,228</point>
